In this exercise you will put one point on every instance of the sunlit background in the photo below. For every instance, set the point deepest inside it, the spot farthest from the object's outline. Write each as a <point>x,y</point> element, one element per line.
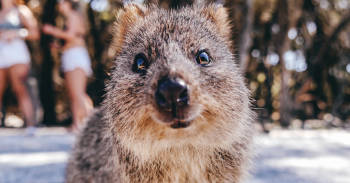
<point>295,55</point>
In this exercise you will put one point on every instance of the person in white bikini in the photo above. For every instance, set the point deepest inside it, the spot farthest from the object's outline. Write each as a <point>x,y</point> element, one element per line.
<point>76,63</point>
<point>17,24</point>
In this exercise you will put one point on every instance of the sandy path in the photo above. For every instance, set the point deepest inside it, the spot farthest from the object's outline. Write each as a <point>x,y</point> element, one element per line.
<point>283,156</point>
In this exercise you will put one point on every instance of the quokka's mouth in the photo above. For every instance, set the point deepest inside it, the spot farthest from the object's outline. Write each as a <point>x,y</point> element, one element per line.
<point>183,120</point>
<point>180,124</point>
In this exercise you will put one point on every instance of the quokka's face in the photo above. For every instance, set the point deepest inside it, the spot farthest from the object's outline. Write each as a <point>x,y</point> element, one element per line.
<point>175,74</point>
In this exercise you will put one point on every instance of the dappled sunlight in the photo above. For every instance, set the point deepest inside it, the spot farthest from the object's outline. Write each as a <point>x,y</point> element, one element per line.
<point>319,156</point>
<point>283,156</point>
<point>325,163</point>
<point>33,159</point>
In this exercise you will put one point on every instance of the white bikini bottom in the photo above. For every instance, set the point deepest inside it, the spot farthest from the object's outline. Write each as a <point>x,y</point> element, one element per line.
<point>13,52</point>
<point>76,57</point>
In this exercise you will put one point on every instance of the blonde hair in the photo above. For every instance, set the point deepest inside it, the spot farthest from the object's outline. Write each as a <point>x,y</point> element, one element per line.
<point>19,2</point>
<point>15,2</point>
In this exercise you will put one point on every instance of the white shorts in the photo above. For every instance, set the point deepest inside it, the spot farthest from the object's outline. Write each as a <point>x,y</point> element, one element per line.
<point>76,57</point>
<point>13,52</point>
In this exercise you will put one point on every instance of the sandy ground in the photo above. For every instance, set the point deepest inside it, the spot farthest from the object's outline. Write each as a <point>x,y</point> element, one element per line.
<point>321,156</point>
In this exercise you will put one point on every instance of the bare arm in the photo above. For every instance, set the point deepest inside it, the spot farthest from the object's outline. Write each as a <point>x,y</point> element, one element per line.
<point>74,26</point>
<point>29,22</point>
<point>56,32</point>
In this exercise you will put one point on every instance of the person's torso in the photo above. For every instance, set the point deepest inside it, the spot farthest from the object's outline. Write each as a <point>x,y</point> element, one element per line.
<point>78,39</point>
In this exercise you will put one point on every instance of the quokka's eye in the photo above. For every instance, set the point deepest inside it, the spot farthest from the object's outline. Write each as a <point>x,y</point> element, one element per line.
<point>203,58</point>
<point>140,64</point>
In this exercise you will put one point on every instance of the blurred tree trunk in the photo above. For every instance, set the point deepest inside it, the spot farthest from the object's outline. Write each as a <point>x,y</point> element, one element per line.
<point>47,94</point>
<point>282,37</point>
<point>96,30</point>
<point>246,40</point>
<point>288,14</point>
<point>241,12</point>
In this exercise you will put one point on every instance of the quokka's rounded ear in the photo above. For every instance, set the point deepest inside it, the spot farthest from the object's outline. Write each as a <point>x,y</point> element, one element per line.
<point>218,14</point>
<point>126,18</point>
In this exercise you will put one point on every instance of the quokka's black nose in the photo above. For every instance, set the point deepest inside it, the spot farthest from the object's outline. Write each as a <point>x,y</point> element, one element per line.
<point>172,94</point>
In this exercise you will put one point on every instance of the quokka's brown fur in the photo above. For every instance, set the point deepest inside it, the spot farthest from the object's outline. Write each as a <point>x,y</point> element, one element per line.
<point>127,140</point>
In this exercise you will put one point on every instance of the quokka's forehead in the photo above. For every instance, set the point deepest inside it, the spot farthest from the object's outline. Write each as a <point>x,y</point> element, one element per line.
<point>138,28</point>
<point>177,23</point>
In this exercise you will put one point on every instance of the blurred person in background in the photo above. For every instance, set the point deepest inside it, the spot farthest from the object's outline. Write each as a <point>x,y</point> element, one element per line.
<point>17,24</point>
<point>76,63</point>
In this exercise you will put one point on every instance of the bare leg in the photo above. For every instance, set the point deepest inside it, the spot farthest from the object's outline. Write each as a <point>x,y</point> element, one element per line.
<point>81,104</point>
<point>18,75</point>
<point>2,89</point>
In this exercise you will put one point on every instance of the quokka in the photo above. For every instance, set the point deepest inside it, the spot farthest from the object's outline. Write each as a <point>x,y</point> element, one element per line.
<point>176,109</point>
